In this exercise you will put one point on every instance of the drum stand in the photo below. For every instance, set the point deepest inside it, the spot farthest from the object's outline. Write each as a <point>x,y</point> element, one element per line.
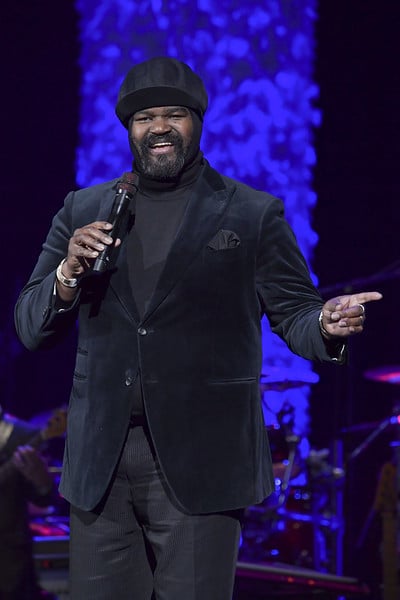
<point>301,524</point>
<point>326,514</point>
<point>292,441</point>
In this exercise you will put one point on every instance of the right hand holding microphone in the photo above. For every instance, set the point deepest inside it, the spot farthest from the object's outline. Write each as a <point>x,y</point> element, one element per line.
<point>90,246</point>
<point>84,247</point>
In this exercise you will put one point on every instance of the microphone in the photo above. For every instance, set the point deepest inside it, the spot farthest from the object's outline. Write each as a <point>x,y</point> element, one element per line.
<point>126,190</point>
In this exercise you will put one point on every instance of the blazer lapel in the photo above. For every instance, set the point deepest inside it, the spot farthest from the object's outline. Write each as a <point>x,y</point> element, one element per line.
<point>121,285</point>
<point>119,281</point>
<point>207,205</point>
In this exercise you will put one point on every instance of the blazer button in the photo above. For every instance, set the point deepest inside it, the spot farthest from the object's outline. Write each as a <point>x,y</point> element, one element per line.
<point>128,380</point>
<point>142,331</point>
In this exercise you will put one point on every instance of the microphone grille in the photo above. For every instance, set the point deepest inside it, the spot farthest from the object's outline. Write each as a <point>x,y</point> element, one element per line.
<point>128,182</point>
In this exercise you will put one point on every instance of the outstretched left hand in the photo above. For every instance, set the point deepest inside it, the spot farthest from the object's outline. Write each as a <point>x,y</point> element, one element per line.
<point>345,315</point>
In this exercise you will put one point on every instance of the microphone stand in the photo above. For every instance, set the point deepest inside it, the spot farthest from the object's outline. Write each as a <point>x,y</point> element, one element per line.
<point>381,427</point>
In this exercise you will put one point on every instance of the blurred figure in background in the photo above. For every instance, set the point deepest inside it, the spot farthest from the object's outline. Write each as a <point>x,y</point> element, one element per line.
<point>24,478</point>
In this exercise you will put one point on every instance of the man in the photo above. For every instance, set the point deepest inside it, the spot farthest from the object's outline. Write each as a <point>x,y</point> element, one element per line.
<point>24,478</point>
<point>166,442</point>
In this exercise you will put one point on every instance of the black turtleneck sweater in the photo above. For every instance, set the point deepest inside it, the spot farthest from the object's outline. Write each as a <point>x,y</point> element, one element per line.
<point>159,210</point>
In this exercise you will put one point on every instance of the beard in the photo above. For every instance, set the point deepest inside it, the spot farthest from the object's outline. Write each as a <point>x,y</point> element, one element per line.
<point>160,167</point>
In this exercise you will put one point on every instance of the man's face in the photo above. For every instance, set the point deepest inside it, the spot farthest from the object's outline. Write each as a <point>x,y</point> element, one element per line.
<point>160,139</point>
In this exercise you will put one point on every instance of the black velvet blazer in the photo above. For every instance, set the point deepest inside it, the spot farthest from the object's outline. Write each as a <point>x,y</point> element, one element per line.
<point>198,346</point>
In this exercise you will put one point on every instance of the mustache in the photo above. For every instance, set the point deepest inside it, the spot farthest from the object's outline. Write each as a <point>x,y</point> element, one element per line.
<point>168,138</point>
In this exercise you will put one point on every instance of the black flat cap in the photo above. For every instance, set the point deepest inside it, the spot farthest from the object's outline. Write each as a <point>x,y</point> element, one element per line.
<point>161,81</point>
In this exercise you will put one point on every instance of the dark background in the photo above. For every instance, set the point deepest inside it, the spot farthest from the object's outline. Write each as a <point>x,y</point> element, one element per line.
<point>357,218</point>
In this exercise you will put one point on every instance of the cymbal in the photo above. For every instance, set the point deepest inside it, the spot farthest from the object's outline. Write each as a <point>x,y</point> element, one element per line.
<point>280,379</point>
<point>387,374</point>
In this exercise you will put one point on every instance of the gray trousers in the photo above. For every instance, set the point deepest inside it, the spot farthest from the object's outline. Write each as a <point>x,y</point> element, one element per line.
<point>140,546</point>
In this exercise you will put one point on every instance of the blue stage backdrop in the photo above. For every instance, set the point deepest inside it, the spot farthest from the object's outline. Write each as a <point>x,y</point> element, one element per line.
<point>256,59</point>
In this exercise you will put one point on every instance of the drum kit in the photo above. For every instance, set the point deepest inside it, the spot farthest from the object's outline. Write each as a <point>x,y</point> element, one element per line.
<point>302,523</point>
<point>283,529</point>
